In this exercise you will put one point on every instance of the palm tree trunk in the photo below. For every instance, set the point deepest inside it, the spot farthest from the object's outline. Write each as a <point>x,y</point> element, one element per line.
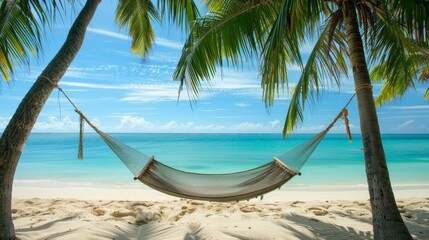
<point>387,221</point>
<point>19,128</point>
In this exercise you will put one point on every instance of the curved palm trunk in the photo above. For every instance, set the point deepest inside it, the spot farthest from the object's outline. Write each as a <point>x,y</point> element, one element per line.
<point>387,221</point>
<point>18,130</point>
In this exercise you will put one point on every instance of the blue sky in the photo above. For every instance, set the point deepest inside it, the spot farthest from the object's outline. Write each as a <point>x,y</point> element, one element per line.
<point>122,93</point>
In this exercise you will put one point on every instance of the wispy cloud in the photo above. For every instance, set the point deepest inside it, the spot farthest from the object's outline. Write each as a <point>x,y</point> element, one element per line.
<point>134,123</point>
<point>241,104</point>
<point>128,72</point>
<point>407,123</point>
<point>56,124</point>
<point>168,43</point>
<point>3,123</point>
<point>153,94</point>
<point>409,107</point>
<point>108,33</point>
<point>399,116</point>
<point>214,110</point>
<point>158,41</point>
<point>95,86</point>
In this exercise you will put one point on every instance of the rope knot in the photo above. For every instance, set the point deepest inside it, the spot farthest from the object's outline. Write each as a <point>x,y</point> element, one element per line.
<point>363,86</point>
<point>346,123</point>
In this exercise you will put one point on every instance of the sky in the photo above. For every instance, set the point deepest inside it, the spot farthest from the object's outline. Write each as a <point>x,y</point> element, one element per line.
<point>120,92</point>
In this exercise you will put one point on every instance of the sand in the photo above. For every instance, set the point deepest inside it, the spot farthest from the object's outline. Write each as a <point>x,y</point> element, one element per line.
<point>99,213</point>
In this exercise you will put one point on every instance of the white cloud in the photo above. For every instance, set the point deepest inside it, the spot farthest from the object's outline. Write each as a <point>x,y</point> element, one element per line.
<point>108,33</point>
<point>3,123</point>
<point>213,110</point>
<point>402,116</point>
<point>410,107</point>
<point>274,123</point>
<point>151,93</point>
<point>241,104</point>
<point>158,41</point>
<point>55,124</point>
<point>407,123</point>
<point>129,72</point>
<point>64,124</point>
<point>133,124</point>
<point>95,86</point>
<point>168,43</point>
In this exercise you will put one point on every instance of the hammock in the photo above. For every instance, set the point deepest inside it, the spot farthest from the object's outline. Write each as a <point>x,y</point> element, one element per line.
<point>212,187</point>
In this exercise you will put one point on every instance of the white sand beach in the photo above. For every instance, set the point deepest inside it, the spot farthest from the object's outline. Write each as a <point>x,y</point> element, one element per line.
<point>141,213</point>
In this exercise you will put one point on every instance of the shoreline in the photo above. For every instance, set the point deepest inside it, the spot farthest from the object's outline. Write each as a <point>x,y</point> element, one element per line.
<point>139,191</point>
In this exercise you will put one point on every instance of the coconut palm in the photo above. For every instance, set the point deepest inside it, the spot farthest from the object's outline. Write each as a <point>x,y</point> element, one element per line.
<point>134,15</point>
<point>348,36</point>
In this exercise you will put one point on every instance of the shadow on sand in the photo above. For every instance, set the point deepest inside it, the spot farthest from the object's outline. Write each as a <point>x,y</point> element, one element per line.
<point>291,226</point>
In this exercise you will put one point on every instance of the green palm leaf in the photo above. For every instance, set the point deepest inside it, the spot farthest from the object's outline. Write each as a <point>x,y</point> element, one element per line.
<point>399,60</point>
<point>21,27</point>
<point>413,15</point>
<point>235,34</point>
<point>183,12</point>
<point>282,45</point>
<point>325,65</point>
<point>136,16</point>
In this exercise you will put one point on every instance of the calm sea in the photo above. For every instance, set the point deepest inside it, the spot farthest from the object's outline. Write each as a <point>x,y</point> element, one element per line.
<point>52,157</point>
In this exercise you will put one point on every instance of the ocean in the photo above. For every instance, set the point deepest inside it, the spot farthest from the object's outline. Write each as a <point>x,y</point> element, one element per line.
<point>52,157</point>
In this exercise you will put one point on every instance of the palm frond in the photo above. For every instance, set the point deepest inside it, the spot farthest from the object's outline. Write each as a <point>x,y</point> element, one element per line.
<point>397,81</point>
<point>398,59</point>
<point>326,64</point>
<point>136,16</point>
<point>424,75</point>
<point>183,12</point>
<point>21,26</point>
<point>413,14</point>
<point>233,35</point>
<point>282,44</point>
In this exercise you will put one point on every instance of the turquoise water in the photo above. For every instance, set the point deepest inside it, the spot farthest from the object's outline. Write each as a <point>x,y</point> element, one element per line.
<point>52,157</point>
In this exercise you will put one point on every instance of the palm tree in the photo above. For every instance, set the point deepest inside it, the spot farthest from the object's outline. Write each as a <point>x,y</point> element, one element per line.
<point>389,36</point>
<point>136,16</point>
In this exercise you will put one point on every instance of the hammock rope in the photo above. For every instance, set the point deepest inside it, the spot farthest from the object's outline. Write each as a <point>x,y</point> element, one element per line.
<point>211,187</point>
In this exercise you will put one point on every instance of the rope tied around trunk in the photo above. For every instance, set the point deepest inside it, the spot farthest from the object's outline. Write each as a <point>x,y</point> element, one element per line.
<point>363,86</point>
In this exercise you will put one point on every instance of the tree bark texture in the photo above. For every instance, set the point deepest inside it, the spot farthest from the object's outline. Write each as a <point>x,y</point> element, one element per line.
<point>19,128</point>
<point>387,221</point>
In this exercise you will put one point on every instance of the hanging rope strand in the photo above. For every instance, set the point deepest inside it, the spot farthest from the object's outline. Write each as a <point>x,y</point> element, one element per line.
<point>80,149</point>
<point>77,110</point>
<point>82,118</point>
